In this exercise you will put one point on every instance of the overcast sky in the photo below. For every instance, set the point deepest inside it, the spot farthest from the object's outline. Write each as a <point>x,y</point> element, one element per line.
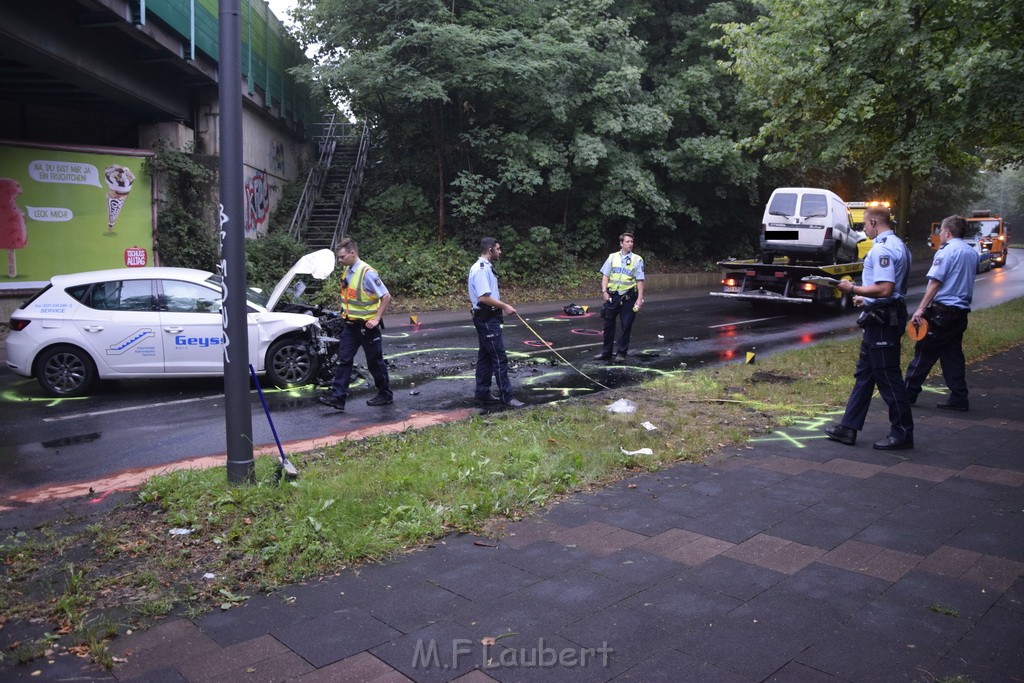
<point>280,9</point>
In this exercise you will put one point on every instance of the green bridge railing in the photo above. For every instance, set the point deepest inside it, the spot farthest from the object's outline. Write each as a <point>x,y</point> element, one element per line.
<point>268,50</point>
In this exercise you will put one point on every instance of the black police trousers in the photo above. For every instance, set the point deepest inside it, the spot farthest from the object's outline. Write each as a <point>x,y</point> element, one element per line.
<point>879,365</point>
<point>944,343</point>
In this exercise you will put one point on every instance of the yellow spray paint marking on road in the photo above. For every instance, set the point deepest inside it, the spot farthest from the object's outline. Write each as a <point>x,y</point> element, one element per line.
<point>415,351</point>
<point>14,397</point>
<point>565,391</point>
<point>801,430</point>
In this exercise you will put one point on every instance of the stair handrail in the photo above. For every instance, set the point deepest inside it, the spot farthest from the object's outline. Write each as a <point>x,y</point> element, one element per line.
<point>352,187</point>
<point>314,186</point>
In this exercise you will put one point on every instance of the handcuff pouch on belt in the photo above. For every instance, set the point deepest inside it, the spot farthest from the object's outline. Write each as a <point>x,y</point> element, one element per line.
<point>625,299</point>
<point>942,315</point>
<point>891,314</point>
<point>483,313</point>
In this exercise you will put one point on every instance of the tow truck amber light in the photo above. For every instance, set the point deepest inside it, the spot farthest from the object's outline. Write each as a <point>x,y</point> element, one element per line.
<point>808,286</point>
<point>17,325</point>
<point>730,282</point>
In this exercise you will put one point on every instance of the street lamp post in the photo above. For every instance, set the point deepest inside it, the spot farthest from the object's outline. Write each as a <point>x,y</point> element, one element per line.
<point>237,409</point>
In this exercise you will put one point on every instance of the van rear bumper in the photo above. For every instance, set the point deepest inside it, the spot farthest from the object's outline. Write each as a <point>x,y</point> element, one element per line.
<point>793,247</point>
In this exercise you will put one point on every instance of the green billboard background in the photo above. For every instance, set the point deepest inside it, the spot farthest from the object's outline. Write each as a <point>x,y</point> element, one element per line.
<point>65,200</point>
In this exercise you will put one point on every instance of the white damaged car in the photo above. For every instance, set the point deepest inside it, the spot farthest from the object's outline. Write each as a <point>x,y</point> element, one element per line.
<point>156,322</point>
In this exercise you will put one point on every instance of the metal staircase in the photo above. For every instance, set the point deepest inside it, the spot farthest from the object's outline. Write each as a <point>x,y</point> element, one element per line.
<point>324,211</point>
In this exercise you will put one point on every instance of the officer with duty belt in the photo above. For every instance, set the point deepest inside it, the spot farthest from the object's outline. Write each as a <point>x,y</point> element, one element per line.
<point>622,286</point>
<point>882,292</point>
<point>488,316</point>
<point>945,305</point>
<point>364,299</point>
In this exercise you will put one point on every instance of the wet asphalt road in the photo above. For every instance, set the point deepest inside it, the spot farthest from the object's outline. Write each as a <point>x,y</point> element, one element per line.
<point>135,424</point>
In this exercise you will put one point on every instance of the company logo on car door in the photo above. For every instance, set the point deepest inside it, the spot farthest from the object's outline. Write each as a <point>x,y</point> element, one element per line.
<point>182,340</point>
<point>128,342</point>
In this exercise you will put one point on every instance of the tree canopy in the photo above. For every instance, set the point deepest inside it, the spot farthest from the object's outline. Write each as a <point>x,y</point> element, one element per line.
<point>897,89</point>
<point>564,122</point>
<point>583,116</point>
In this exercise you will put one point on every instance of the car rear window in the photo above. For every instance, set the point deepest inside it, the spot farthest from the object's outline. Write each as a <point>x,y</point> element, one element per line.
<point>783,204</point>
<point>813,205</point>
<point>118,295</point>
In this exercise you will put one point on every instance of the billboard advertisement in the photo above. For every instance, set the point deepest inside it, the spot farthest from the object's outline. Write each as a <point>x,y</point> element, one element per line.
<point>66,210</point>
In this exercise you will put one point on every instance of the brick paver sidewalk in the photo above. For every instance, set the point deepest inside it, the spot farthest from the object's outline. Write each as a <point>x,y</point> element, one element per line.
<point>794,558</point>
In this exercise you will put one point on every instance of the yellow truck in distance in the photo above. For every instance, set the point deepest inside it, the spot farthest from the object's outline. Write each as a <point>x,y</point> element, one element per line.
<point>985,228</point>
<point>857,216</point>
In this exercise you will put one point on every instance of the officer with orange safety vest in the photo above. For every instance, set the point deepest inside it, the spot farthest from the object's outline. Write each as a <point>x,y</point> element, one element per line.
<point>622,286</point>
<point>364,299</point>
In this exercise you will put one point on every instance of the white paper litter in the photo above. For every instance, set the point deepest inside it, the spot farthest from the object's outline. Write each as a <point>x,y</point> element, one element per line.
<point>622,406</point>
<point>209,576</point>
<point>642,451</point>
<point>179,532</point>
<point>648,426</point>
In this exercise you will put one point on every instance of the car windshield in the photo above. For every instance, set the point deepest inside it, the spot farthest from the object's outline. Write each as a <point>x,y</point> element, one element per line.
<point>813,205</point>
<point>783,204</point>
<point>253,296</point>
<point>982,228</point>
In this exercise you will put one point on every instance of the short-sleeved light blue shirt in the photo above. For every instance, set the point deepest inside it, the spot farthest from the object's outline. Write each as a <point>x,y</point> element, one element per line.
<point>954,267</point>
<point>632,265</point>
<point>482,282</point>
<point>371,280</point>
<point>888,261</point>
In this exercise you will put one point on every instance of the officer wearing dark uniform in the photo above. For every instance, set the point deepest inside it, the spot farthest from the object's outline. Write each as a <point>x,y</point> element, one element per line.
<point>882,292</point>
<point>364,299</point>
<point>488,315</point>
<point>622,286</point>
<point>945,305</point>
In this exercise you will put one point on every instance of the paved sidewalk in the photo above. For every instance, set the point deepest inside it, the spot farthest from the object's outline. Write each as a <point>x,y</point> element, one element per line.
<point>794,558</point>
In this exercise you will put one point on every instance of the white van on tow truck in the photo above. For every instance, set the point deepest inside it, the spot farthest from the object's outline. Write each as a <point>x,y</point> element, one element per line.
<point>807,224</point>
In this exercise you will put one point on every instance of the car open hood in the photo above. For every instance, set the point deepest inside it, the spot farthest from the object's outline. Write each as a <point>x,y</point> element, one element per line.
<point>320,264</point>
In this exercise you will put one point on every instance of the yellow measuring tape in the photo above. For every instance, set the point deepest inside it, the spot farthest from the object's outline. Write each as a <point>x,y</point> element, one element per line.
<point>554,351</point>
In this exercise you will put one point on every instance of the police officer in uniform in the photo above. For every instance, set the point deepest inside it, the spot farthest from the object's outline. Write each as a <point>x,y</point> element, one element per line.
<point>886,268</point>
<point>622,286</point>
<point>364,299</point>
<point>488,315</point>
<point>946,303</point>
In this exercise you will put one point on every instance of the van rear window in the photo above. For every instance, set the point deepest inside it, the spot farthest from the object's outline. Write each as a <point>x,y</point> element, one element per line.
<point>813,205</point>
<point>783,204</point>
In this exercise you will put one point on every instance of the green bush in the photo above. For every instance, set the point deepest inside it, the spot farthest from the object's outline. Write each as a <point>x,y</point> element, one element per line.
<point>184,236</point>
<point>268,258</point>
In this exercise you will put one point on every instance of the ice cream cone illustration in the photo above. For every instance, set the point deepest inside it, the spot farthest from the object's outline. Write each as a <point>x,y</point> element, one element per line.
<point>13,233</point>
<point>119,181</point>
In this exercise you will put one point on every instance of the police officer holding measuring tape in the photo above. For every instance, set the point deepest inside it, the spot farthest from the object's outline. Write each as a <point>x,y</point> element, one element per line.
<point>945,305</point>
<point>886,269</point>
<point>488,315</point>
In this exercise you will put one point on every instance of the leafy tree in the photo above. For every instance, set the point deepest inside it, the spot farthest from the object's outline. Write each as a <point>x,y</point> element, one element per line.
<point>185,234</point>
<point>896,88</point>
<point>1003,191</point>
<point>565,121</point>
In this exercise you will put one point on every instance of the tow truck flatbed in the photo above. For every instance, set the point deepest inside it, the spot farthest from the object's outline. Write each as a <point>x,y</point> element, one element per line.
<point>783,282</point>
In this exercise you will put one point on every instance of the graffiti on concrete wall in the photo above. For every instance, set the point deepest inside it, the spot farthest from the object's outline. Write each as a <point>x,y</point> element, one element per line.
<point>276,156</point>
<point>257,203</point>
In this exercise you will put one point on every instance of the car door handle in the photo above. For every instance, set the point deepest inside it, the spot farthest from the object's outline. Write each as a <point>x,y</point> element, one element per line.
<point>92,328</point>
<point>174,330</point>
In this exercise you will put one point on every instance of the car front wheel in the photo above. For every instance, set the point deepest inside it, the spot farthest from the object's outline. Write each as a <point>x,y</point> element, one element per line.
<point>65,371</point>
<point>291,363</point>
